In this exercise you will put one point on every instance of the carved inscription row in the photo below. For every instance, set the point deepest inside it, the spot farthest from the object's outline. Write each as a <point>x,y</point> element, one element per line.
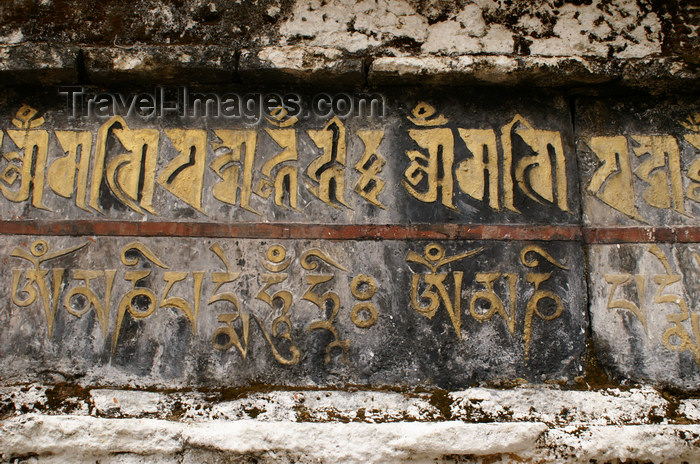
<point>293,303</point>
<point>283,167</point>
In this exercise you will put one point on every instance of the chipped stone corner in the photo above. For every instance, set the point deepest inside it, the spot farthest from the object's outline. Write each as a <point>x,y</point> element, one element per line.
<point>301,64</point>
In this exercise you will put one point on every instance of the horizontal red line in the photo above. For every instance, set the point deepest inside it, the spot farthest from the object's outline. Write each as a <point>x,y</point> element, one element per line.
<point>678,234</point>
<point>593,235</point>
<point>295,231</point>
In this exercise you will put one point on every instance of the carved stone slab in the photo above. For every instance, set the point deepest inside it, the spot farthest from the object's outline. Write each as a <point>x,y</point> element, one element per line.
<point>639,161</point>
<point>205,312</point>
<point>644,311</point>
<point>488,157</point>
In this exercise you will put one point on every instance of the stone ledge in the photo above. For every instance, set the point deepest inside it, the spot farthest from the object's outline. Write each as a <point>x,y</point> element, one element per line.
<point>656,74</point>
<point>159,64</point>
<point>44,63</point>
<point>77,438</point>
<point>38,64</point>
<point>603,407</point>
<point>548,405</point>
<point>81,439</point>
<point>300,65</point>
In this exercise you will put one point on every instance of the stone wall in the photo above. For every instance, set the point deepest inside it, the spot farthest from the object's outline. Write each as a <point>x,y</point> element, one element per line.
<point>401,231</point>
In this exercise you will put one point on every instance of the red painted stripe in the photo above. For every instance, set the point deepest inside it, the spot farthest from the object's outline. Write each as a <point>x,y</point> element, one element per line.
<point>297,231</point>
<point>678,234</point>
<point>592,235</point>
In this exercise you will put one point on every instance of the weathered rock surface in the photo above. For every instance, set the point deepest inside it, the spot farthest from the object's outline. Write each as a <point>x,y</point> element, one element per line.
<point>640,44</point>
<point>83,439</point>
<point>54,424</point>
<point>616,28</point>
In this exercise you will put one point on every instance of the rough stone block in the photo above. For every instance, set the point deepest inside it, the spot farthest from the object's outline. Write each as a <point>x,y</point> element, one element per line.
<point>658,74</point>
<point>643,309</point>
<point>159,64</point>
<point>562,407</point>
<point>29,64</point>
<point>639,161</point>
<point>80,439</point>
<point>485,70</point>
<point>300,65</point>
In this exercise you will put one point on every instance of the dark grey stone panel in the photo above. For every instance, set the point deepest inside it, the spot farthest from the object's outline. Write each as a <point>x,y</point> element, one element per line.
<point>175,312</point>
<point>643,311</point>
<point>639,160</point>
<point>460,157</point>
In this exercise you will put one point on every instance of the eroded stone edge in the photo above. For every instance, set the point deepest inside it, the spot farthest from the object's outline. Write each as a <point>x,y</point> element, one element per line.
<point>215,64</point>
<point>550,405</point>
<point>83,438</point>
